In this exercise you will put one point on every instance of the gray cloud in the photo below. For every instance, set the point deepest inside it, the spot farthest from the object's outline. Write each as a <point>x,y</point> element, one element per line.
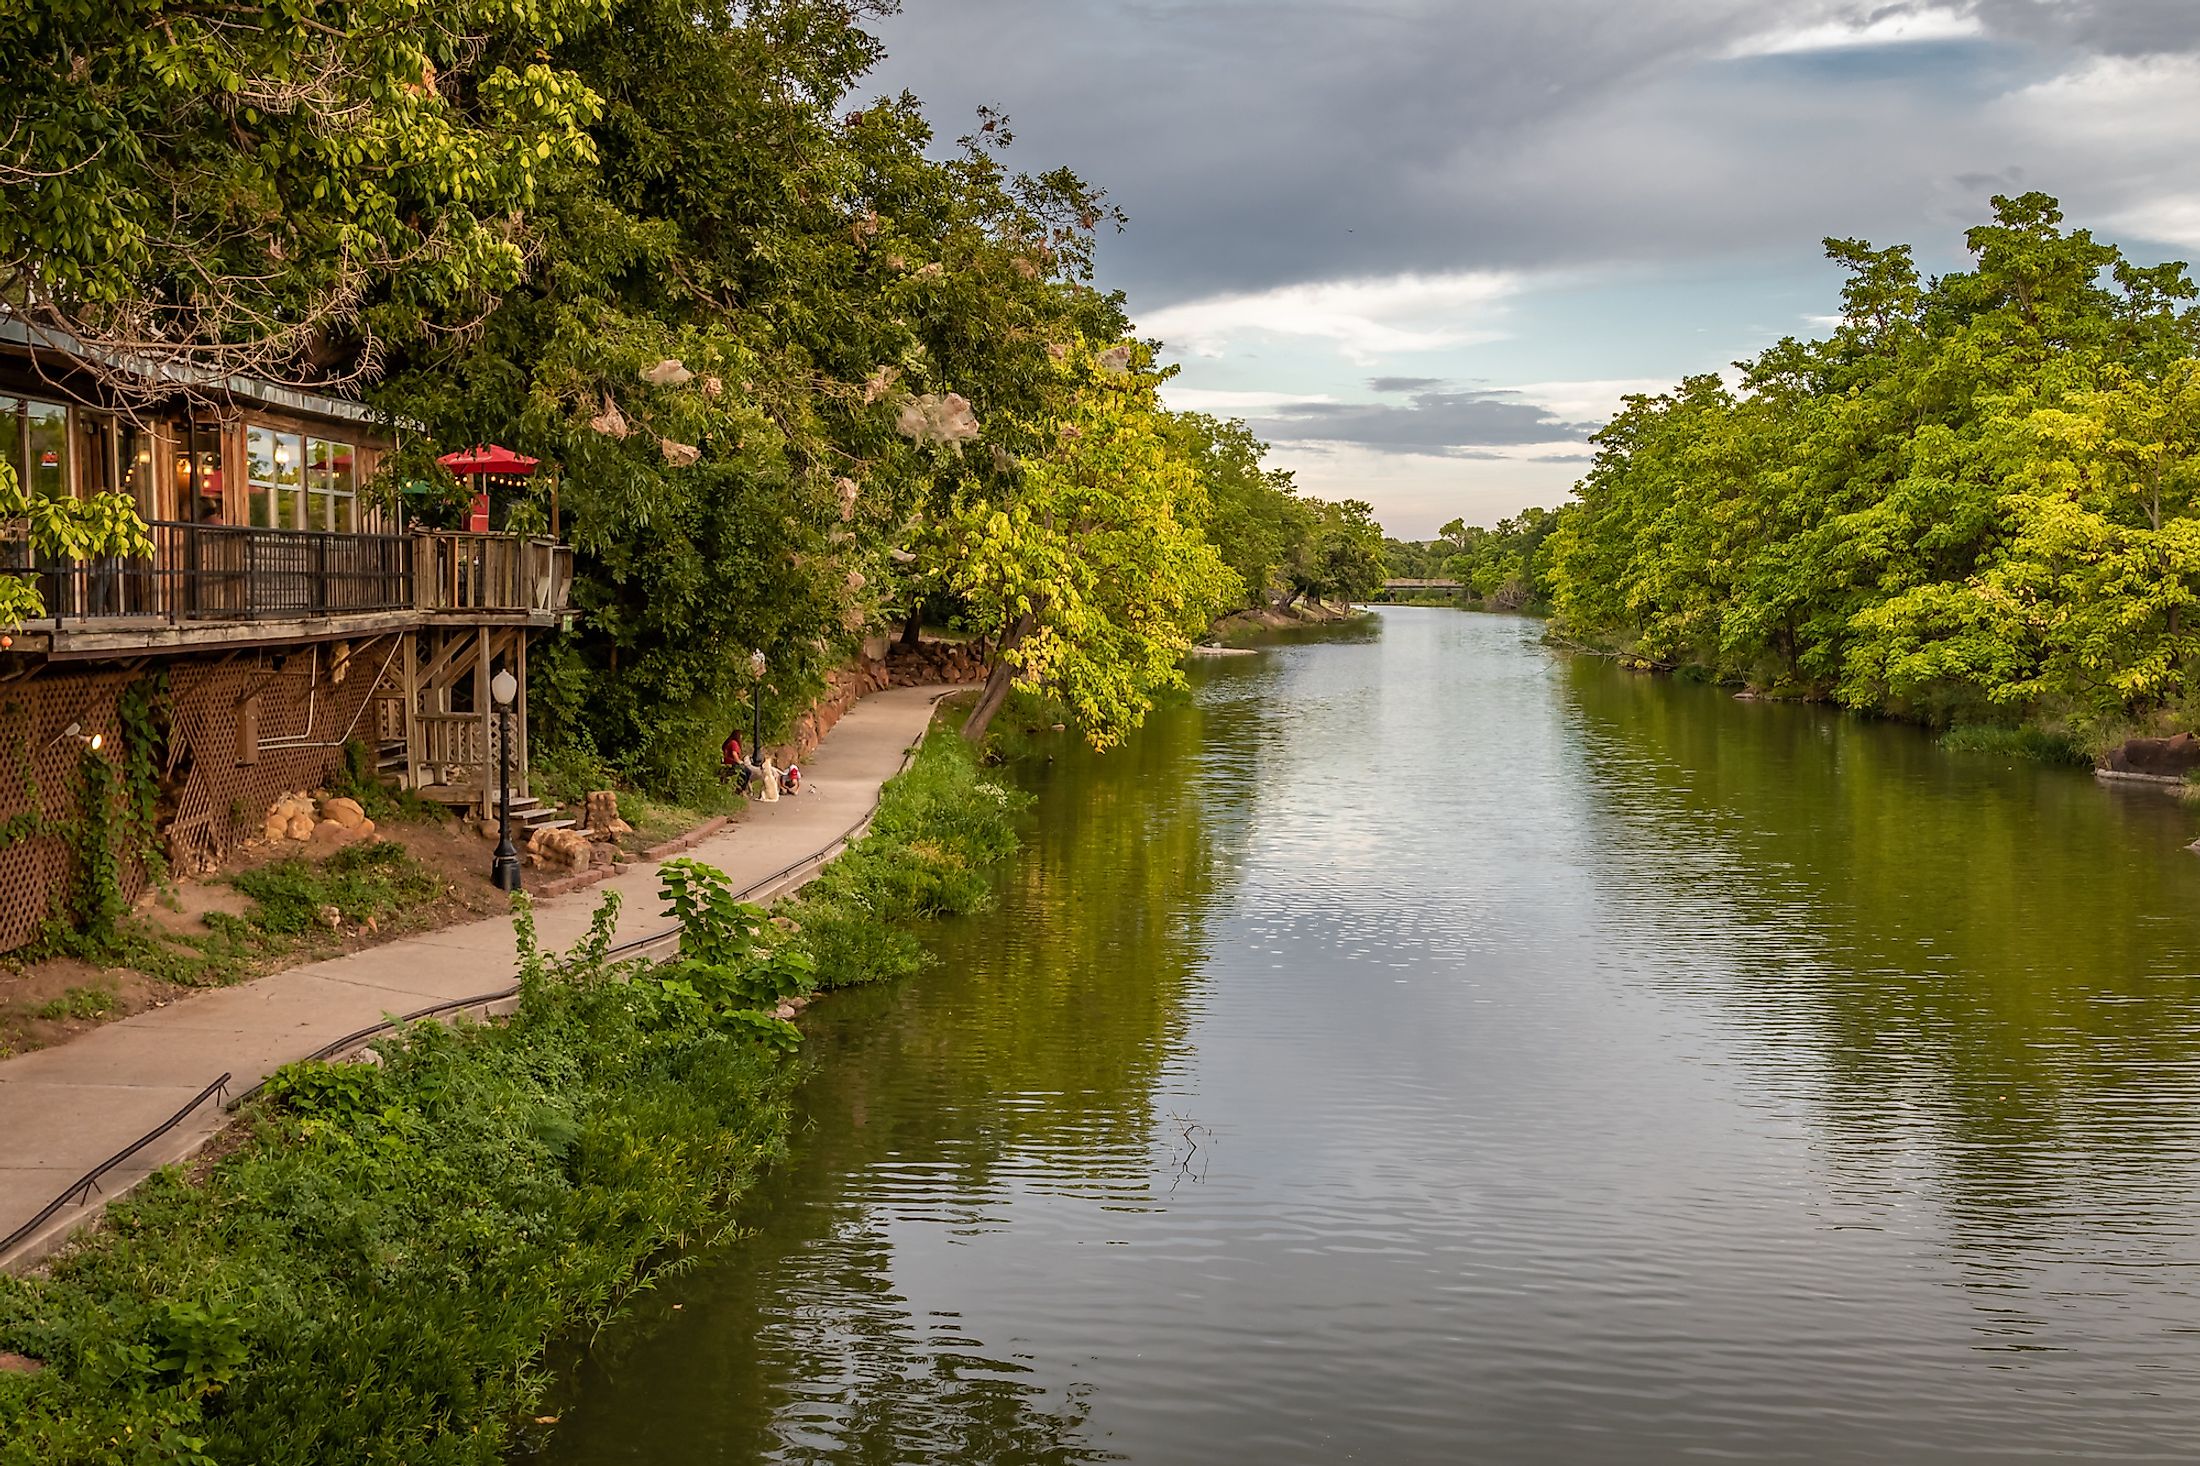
<point>1455,424</point>
<point>1403,384</point>
<point>2109,27</point>
<point>1259,143</point>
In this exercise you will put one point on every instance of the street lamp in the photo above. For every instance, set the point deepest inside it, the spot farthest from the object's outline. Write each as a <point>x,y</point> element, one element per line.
<point>504,869</point>
<point>756,743</point>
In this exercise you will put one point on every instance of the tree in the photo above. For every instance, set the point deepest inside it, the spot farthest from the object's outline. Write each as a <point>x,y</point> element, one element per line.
<point>1341,557</point>
<point>281,189</point>
<point>99,526</point>
<point>1087,573</point>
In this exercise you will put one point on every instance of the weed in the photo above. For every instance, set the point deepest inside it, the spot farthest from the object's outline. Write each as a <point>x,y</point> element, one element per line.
<point>2047,746</point>
<point>372,879</point>
<point>81,1003</point>
<point>376,1272</point>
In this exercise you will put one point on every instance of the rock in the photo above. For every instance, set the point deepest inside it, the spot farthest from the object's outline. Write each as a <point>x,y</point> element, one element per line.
<point>331,832</point>
<point>2165,758</point>
<point>569,848</point>
<point>300,827</point>
<point>785,1010</point>
<point>346,812</point>
<point>12,1363</point>
<point>276,827</point>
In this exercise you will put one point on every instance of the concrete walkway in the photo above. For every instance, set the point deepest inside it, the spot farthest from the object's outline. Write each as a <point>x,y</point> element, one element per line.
<point>65,1110</point>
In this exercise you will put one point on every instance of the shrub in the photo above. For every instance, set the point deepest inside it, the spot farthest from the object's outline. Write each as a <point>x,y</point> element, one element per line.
<point>2044,745</point>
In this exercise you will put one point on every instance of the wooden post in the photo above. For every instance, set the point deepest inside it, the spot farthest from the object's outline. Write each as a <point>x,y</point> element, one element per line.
<point>486,711</point>
<point>519,656</point>
<point>407,651</point>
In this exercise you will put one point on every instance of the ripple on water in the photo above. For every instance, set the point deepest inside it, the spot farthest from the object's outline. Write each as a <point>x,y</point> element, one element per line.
<point>1432,1048</point>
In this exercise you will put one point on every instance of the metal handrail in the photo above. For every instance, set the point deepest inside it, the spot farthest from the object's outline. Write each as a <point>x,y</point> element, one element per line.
<point>84,1185</point>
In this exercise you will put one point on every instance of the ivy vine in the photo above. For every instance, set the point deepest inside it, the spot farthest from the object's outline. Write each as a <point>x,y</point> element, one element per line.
<point>115,826</point>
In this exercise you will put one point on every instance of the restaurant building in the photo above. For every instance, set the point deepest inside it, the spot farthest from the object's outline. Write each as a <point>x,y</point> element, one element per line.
<point>287,610</point>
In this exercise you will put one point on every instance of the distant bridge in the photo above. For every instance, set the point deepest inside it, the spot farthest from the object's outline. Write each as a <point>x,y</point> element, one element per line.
<point>1392,589</point>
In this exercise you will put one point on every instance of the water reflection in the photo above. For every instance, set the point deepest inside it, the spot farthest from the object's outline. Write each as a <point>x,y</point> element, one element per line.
<point>1431,1048</point>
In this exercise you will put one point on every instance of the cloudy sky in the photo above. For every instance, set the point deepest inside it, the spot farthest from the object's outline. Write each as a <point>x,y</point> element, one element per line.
<point>1422,244</point>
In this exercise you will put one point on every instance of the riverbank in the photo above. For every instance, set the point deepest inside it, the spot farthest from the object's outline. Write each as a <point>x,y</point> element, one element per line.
<point>1240,624</point>
<point>380,1258</point>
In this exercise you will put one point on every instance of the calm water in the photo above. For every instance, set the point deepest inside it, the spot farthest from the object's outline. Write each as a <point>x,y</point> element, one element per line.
<point>1427,1048</point>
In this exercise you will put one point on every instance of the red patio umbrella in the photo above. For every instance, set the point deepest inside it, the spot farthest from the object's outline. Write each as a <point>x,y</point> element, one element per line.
<point>489,459</point>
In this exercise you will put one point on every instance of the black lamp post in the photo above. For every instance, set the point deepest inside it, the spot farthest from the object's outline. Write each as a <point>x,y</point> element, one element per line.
<point>504,869</point>
<point>756,731</point>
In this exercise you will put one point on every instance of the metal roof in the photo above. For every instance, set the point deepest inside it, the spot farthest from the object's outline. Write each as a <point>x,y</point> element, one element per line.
<point>21,333</point>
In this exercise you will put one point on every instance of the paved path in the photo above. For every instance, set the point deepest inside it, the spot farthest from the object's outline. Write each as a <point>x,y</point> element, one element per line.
<point>66,1109</point>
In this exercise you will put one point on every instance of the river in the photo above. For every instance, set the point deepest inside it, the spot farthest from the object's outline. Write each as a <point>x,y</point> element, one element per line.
<point>1422,1046</point>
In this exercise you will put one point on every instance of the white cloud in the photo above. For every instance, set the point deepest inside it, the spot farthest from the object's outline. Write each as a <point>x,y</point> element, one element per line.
<point>1592,401</point>
<point>2125,125</point>
<point>1901,26</point>
<point>1365,319</point>
<point>2167,221</point>
<point>1415,494</point>
<point>1230,404</point>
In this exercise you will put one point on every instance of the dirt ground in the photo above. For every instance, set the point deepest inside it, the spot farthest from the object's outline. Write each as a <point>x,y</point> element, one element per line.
<point>50,1001</point>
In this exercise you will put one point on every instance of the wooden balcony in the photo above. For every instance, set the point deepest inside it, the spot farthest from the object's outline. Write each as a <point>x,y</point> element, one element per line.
<point>218,584</point>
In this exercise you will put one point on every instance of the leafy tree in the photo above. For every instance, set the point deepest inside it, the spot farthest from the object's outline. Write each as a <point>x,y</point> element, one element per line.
<point>1341,558</point>
<point>1974,499</point>
<point>277,188</point>
<point>1087,571</point>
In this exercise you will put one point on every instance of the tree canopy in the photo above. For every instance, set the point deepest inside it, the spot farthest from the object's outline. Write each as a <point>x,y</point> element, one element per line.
<point>1974,500</point>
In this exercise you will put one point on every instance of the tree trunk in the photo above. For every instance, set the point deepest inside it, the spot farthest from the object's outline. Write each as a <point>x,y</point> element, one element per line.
<point>999,681</point>
<point>912,630</point>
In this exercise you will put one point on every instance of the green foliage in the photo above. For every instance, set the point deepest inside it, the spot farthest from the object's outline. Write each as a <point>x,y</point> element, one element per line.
<point>2039,744</point>
<point>382,1264</point>
<point>733,963</point>
<point>1086,568</point>
<point>1974,502</point>
<point>72,529</point>
<point>241,194</point>
<point>937,827</point>
<point>373,879</point>
<point>1341,556</point>
<point>81,1003</point>
<point>1504,568</point>
<point>357,778</point>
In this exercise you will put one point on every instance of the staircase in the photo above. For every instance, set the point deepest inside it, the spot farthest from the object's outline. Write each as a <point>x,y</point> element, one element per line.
<point>530,814</point>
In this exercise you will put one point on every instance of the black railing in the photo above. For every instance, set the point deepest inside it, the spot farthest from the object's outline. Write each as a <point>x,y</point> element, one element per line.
<point>226,572</point>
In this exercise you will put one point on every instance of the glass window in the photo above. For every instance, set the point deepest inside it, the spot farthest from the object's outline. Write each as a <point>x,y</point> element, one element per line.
<point>46,449</point>
<point>11,434</point>
<point>275,465</point>
<point>199,473</point>
<point>333,485</point>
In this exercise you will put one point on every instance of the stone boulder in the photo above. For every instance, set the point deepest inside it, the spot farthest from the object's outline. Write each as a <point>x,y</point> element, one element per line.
<point>2165,758</point>
<point>346,812</point>
<point>569,848</point>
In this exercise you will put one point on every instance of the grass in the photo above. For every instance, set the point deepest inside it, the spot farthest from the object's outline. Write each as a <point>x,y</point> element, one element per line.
<point>375,881</point>
<point>80,1003</point>
<point>374,1273</point>
<point>2043,745</point>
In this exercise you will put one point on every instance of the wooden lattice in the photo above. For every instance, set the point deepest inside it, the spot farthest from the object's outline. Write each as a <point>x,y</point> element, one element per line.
<point>243,731</point>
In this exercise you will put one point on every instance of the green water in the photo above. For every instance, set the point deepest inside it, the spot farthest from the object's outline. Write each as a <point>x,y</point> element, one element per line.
<point>1423,1047</point>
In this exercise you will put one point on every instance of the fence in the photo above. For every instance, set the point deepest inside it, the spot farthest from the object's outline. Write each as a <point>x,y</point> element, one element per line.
<point>223,572</point>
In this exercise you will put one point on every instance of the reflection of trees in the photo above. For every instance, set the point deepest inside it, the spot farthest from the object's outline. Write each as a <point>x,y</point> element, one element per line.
<point>1026,1061</point>
<point>1972,953</point>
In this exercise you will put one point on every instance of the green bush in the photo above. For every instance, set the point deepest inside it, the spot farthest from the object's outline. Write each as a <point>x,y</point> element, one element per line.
<point>372,879</point>
<point>2041,744</point>
<point>374,1275</point>
<point>937,827</point>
